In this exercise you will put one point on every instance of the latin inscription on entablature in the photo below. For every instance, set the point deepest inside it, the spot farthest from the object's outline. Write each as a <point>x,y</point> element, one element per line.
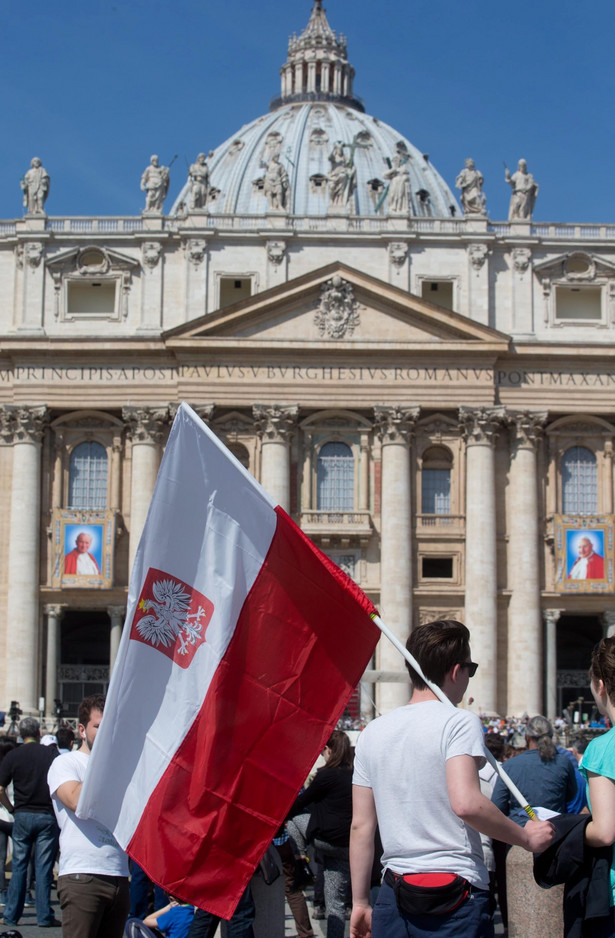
<point>263,373</point>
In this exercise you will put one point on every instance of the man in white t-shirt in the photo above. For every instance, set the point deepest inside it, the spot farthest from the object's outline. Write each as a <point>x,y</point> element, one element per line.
<point>416,776</point>
<point>93,875</point>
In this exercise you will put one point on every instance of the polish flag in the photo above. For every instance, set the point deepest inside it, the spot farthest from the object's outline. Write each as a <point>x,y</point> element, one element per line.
<point>241,647</point>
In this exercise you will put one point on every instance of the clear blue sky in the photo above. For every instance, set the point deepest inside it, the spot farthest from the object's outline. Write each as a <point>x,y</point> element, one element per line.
<point>95,87</point>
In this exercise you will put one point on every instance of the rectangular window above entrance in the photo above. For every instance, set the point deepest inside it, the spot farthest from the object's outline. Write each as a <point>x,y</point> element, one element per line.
<point>438,291</point>
<point>233,289</point>
<point>578,303</point>
<point>91,299</point>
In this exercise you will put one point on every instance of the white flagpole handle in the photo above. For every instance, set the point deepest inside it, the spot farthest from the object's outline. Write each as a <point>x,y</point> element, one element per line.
<point>442,696</point>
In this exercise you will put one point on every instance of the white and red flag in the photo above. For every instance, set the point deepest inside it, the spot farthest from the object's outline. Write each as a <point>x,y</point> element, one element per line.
<point>242,645</point>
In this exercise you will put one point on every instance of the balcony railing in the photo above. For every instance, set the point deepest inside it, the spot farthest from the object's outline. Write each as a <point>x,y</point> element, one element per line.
<point>441,524</point>
<point>340,523</point>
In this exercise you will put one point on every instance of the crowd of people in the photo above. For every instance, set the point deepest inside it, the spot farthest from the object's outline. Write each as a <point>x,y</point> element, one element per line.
<point>426,835</point>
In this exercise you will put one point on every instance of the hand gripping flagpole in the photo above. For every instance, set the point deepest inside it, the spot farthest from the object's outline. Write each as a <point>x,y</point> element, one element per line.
<point>442,696</point>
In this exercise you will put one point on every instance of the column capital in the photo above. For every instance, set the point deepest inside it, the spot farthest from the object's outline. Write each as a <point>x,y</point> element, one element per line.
<point>395,424</point>
<point>116,612</point>
<point>480,425</point>
<point>527,427</point>
<point>551,616</point>
<point>55,610</point>
<point>147,424</point>
<point>275,422</point>
<point>608,618</point>
<point>23,424</point>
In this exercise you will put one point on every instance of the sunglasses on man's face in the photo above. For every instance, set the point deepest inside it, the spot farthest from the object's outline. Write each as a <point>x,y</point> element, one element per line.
<point>471,666</point>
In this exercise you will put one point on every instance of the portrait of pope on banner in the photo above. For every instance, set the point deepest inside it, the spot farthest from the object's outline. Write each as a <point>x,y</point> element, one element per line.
<point>82,550</point>
<point>585,555</point>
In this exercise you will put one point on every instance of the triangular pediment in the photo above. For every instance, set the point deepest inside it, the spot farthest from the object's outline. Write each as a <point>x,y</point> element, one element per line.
<point>575,266</point>
<point>338,306</point>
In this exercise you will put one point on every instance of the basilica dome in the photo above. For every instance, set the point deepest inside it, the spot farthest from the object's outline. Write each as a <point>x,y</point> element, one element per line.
<point>317,152</point>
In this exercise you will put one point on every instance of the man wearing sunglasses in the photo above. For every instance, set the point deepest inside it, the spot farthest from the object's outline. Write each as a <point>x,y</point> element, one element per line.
<point>416,776</point>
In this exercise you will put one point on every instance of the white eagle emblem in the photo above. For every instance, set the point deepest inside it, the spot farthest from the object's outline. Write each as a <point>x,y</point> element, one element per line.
<point>169,619</point>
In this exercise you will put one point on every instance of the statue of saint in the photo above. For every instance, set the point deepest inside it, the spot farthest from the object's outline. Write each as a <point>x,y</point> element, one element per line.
<point>35,186</point>
<point>524,192</point>
<point>276,184</point>
<point>155,184</point>
<point>399,186</point>
<point>198,177</point>
<point>341,177</point>
<point>470,181</point>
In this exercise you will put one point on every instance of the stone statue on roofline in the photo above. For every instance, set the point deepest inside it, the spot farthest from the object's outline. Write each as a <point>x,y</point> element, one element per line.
<point>399,186</point>
<point>276,184</point>
<point>524,192</point>
<point>470,181</point>
<point>155,184</point>
<point>341,177</point>
<point>35,187</point>
<point>198,177</point>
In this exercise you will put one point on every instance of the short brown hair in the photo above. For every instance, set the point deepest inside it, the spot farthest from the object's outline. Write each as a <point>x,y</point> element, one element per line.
<point>437,646</point>
<point>95,702</point>
<point>602,667</point>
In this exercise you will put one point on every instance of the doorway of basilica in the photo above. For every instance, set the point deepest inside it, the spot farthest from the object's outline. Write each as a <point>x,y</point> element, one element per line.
<point>576,637</point>
<point>84,657</point>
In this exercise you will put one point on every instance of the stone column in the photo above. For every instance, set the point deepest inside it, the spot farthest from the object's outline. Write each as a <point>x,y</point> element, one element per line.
<point>116,472</point>
<point>395,426</point>
<point>147,426</point>
<point>24,427</point>
<point>525,671</point>
<point>116,615</point>
<point>364,473</point>
<point>480,428</point>
<point>550,618</point>
<point>275,424</point>
<point>54,617</point>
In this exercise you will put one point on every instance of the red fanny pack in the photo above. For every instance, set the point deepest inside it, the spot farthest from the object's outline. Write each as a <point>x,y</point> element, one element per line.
<point>427,893</point>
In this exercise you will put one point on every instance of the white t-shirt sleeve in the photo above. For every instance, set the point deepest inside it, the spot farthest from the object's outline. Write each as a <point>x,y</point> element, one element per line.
<point>360,775</point>
<point>64,768</point>
<point>464,737</point>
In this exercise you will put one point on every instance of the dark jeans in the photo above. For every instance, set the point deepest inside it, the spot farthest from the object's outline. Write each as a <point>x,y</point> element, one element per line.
<point>38,833</point>
<point>204,924</point>
<point>93,906</point>
<point>139,893</point>
<point>470,920</point>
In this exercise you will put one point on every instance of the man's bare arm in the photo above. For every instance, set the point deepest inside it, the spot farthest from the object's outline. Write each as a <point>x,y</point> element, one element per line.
<point>68,793</point>
<point>362,834</point>
<point>6,801</point>
<point>469,804</point>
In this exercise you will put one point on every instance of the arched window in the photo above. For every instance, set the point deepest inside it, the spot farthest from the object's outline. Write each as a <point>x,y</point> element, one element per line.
<point>335,478</point>
<point>240,453</point>
<point>436,482</point>
<point>579,482</point>
<point>87,479</point>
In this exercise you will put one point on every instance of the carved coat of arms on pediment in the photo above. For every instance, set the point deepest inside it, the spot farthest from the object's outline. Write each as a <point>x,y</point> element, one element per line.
<point>337,314</point>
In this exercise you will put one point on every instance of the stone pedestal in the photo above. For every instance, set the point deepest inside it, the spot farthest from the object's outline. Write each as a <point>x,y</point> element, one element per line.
<point>147,426</point>
<point>480,428</point>
<point>525,671</point>
<point>23,427</point>
<point>395,426</point>
<point>275,424</point>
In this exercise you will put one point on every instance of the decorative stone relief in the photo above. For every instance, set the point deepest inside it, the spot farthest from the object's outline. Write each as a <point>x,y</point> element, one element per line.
<point>395,424</point>
<point>527,426</point>
<point>276,251</point>
<point>35,188</point>
<point>23,424</point>
<point>481,424</point>
<point>337,314</point>
<point>195,249</point>
<point>147,424</point>
<point>236,147</point>
<point>398,252</point>
<point>478,255</point>
<point>521,259</point>
<point>275,422</point>
<point>150,253</point>
<point>433,615</point>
